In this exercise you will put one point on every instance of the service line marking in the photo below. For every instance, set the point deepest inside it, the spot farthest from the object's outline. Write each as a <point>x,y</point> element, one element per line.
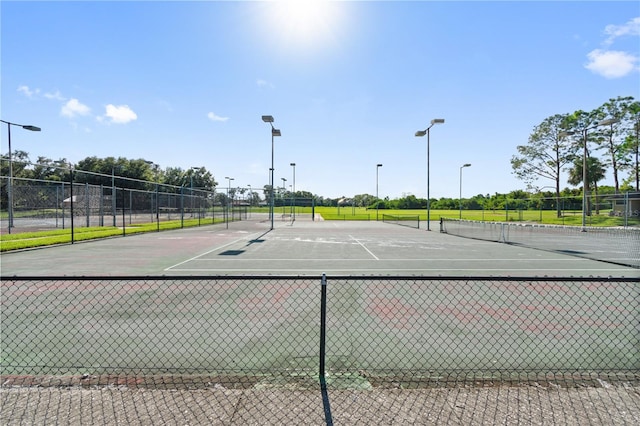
<point>364,247</point>
<point>206,253</point>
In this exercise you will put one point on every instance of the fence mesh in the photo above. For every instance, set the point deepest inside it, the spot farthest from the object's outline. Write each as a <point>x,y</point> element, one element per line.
<point>46,205</point>
<point>239,350</point>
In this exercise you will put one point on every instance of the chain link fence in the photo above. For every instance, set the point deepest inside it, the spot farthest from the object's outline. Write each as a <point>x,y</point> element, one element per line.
<point>48,205</point>
<point>313,350</point>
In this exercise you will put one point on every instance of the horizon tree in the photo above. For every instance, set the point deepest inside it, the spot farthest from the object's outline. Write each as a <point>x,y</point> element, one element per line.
<point>546,153</point>
<point>614,136</point>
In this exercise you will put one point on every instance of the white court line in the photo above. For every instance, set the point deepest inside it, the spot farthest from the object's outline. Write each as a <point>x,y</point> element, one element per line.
<point>430,259</point>
<point>205,253</point>
<point>297,271</point>
<point>364,247</point>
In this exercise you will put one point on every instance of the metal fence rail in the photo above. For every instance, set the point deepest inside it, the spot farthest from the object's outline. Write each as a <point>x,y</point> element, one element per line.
<point>269,336</point>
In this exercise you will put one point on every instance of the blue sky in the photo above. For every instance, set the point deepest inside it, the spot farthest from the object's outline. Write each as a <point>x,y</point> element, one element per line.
<point>185,84</point>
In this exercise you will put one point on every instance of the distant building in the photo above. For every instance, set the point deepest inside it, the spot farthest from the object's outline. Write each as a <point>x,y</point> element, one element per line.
<point>628,200</point>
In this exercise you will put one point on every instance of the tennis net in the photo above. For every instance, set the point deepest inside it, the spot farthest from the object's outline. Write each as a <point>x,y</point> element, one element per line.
<point>614,245</point>
<point>412,221</point>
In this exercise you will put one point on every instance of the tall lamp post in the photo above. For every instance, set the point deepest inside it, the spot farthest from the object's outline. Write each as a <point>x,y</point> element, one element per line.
<point>229,179</point>
<point>155,166</point>
<point>377,198</point>
<point>284,190</point>
<point>10,182</point>
<point>460,199</point>
<point>585,183</point>
<point>293,193</point>
<point>274,132</point>
<point>421,133</point>
<point>191,170</point>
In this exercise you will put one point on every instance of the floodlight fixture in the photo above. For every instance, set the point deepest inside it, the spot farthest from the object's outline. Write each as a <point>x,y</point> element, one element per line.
<point>608,122</point>
<point>10,181</point>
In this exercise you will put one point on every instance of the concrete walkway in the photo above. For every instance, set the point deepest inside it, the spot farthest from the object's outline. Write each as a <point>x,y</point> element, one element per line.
<point>529,404</point>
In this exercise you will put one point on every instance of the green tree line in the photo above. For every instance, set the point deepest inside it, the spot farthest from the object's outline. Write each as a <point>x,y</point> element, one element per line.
<point>604,139</point>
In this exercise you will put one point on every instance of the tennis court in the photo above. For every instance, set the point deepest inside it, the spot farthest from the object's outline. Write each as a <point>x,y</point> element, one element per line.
<point>237,306</point>
<point>303,247</point>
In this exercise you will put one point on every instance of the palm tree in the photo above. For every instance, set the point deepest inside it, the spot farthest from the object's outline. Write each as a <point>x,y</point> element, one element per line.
<point>595,173</point>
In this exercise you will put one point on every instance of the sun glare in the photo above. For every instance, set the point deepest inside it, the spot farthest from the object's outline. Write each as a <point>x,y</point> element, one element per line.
<point>307,24</point>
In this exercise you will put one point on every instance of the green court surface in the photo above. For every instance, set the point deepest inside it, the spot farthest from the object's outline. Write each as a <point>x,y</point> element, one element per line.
<point>245,298</point>
<point>303,247</point>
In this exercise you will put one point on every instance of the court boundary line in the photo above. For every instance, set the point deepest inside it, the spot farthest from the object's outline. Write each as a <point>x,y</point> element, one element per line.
<point>329,271</point>
<point>426,259</point>
<point>363,246</point>
<point>209,251</point>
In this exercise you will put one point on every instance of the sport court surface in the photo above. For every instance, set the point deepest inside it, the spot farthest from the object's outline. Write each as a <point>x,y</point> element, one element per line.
<point>310,249</point>
<point>301,248</point>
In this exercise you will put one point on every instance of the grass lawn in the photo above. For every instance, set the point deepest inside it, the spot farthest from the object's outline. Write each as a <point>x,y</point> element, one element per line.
<point>571,218</point>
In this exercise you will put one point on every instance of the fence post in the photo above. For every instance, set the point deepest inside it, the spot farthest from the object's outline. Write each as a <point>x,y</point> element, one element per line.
<point>58,203</point>
<point>63,209</point>
<point>113,197</point>
<point>323,324</point>
<point>124,218</point>
<point>627,209</point>
<point>86,203</point>
<point>182,207</point>
<point>157,208</point>
<point>71,201</point>
<point>101,207</point>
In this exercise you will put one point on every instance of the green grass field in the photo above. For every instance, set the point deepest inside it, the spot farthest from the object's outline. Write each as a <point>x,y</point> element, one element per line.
<point>572,218</point>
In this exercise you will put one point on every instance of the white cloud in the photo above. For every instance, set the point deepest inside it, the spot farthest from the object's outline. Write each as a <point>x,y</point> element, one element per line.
<point>214,117</point>
<point>120,114</point>
<point>56,96</point>
<point>27,91</point>
<point>74,108</point>
<point>615,63</point>
<point>631,28</point>
<point>611,63</point>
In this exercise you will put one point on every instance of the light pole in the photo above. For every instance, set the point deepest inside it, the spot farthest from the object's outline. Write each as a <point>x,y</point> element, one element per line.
<point>377,198</point>
<point>10,182</point>
<point>284,190</point>
<point>155,166</point>
<point>293,194</point>
<point>191,170</point>
<point>460,199</point>
<point>585,183</point>
<point>229,179</point>
<point>274,132</point>
<point>421,133</point>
